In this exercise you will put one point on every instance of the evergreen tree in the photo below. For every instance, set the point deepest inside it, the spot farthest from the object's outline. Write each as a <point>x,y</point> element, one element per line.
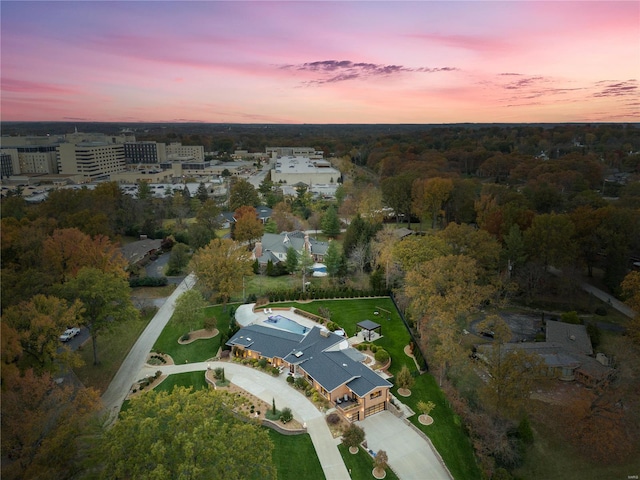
<point>331,223</point>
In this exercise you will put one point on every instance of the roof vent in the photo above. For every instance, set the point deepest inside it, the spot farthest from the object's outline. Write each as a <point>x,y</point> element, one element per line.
<point>298,354</point>
<point>572,338</point>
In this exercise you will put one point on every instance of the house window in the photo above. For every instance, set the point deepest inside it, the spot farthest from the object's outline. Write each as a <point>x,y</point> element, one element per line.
<point>375,394</point>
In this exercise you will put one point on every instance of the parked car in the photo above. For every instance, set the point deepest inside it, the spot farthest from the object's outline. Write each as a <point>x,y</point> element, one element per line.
<point>69,333</point>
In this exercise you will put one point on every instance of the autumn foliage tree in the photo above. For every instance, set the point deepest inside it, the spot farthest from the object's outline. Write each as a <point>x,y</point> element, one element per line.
<point>248,226</point>
<point>184,434</point>
<point>106,300</point>
<point>67,250</point>
<point>42,422</point>
<point>36,325</point>
<point>221,265</point>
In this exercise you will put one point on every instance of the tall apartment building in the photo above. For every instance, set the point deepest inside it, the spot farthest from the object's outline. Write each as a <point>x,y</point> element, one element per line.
<point>94,160</point>
<point>32,154</point>
<point>145,153</point>
<point>176,150</point>
<point>6,165</point>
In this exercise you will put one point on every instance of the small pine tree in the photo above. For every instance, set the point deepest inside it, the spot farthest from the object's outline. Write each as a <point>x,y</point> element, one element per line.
<point>404,379</point>
<point>273,407</point>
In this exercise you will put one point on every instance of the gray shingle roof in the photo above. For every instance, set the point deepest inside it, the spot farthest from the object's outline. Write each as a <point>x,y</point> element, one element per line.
<point>325,356</point>
<point>268,342</point>
<point>281,242</point>
<point>573,337</point>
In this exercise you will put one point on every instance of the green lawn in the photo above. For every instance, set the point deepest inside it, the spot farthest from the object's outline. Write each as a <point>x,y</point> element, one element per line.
<point>191,379</point>
<point>197,351</point>
<point>112,349</point>
<point>295,457</point>
<point>360,465</point>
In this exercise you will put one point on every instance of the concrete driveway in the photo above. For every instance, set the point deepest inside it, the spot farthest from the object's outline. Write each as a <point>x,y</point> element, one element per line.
<point>410,456</point>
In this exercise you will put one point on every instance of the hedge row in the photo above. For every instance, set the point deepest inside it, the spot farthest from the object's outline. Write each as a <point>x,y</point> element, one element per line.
<point>148,282</point>
<point>323,293</point>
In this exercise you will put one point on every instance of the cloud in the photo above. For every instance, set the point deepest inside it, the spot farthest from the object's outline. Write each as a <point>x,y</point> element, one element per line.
<point>610,88</point>
<point>25,86</point>
<point>333,71</point>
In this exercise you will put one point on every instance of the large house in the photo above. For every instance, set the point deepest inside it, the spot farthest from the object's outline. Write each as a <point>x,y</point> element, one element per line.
<point>323,358</point>
<point>567,354</point>
<point>274,246</point>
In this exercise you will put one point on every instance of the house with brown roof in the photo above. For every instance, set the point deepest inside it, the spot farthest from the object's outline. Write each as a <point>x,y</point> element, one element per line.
<point>567,354</point>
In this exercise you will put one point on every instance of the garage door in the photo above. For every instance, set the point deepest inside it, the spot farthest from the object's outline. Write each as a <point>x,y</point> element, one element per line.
<point>373,410</point>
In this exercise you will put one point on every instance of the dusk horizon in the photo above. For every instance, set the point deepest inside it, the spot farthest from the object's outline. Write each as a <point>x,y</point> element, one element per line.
<point>320,62</point>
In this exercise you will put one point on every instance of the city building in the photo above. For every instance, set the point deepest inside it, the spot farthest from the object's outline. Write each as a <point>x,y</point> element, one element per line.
<point>93,160</point>
<point>292,170</point>
<point>6,165</point>
<point>145,153</point>
<point>175,150</point>
<point>306,152</point>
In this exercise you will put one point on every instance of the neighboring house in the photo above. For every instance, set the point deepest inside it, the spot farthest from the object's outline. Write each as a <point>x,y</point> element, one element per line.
<point>136,252</point>
<point>274,246</point>
<point>567,354</point>
<point>324,359</point>
<point>228,218</point>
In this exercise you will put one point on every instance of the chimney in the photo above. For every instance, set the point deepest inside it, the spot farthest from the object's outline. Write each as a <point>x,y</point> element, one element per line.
<point>307,244</point>
<point>257,252</point>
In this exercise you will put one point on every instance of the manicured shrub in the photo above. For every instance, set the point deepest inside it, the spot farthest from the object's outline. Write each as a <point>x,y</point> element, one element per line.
<point>262,363</point>
<point>374,348</point>
<point>185,337</point>
<point>333,418</point>
<point>290,379</point>
<point>286,415</point>
<point>382,356</point>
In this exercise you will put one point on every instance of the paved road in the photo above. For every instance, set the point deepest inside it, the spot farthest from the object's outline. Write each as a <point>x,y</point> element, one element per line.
<point>268,388</point>
<point>130,369</point>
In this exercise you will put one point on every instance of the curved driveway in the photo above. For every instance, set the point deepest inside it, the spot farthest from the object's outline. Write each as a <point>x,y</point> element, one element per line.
<point>268,388</point>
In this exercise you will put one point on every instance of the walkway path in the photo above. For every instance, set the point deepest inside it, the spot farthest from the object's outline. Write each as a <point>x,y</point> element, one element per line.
<point>130,369</point>
<point>604,296</point>
<point>268,388</point>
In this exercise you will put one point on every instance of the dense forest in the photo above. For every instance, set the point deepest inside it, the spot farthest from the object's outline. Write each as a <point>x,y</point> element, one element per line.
<point>495,209</point>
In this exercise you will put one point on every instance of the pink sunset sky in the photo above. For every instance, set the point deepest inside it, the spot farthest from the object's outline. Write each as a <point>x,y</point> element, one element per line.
<point>320,62</point>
